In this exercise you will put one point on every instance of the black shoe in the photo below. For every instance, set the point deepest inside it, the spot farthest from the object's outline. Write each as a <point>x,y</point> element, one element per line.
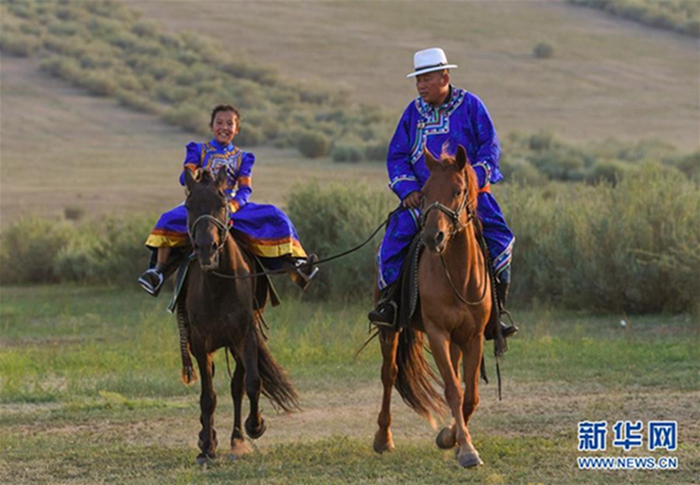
<point>152,281</point>
<point>384,315</point>
<point>306,271</point>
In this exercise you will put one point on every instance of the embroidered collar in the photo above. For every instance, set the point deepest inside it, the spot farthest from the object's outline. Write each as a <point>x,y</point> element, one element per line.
<point>428,110</point>
<point>228,148</point>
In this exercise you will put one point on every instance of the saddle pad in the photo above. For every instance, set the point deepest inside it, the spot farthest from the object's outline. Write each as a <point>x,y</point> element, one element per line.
<point>263,288</point>
<point>408,297</point>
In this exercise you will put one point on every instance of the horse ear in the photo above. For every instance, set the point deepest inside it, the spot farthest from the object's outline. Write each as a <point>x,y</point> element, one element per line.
<point>461,157</point>
<point>430,161</point>
<point>190,179</point>
<point>221,179</point>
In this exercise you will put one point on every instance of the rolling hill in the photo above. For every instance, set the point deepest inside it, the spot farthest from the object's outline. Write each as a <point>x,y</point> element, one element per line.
<point>607,78</point>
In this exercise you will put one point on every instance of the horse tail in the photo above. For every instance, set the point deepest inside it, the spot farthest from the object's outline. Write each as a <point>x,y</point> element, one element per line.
<point>276,386</point>
<point>415,377</point>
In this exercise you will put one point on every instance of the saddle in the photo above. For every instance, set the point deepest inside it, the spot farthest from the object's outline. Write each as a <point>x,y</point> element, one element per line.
<point>405,292</point>
<point>264,288</point>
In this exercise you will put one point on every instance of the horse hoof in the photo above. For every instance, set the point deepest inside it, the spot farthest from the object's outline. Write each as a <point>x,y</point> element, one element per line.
<point>383,447</point>
<point>239,448</point>
<point>446,439</point>
<point>383,444</point>
<point>255,433</point>
<point>204,460</point>
<point>469,460</point>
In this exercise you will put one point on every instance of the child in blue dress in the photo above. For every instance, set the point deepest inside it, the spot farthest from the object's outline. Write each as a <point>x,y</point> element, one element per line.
<point>263,228</point>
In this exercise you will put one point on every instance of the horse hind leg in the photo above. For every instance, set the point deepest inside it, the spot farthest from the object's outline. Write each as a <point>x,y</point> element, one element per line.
<point>383,441</point>
<point>239,446</point>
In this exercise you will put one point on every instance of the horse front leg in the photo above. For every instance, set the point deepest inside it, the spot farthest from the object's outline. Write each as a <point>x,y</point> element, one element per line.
<point>472,363</point>
<point>254,423</point>
<point>389,340</point>
<point>239,446</point>
<point>447,437</point>
<point>207,404</point>
<point>440,346</point>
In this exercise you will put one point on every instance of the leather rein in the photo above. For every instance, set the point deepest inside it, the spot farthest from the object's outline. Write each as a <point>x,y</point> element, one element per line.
<point>455,217</point>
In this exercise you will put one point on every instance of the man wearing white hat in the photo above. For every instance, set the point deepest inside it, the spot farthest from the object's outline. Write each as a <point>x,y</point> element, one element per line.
<point>441,116</point>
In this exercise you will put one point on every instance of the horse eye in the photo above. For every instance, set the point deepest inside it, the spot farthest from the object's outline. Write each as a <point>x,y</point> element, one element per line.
<point>456,193</point>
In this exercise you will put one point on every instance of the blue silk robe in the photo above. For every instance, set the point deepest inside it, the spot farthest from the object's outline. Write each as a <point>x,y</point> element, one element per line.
<point>462,120</point>
<point>263,227</point>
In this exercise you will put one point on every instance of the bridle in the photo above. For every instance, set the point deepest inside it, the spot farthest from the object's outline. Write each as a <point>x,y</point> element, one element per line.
<point>221,226</point>
<point>453,215</point>
<point>457,226</point>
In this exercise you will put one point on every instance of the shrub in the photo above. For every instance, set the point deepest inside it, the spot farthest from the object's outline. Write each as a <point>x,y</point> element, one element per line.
<point>377,151</point>
<point>333,218</point>
<point>189,118</point>
<point>312,144</point>
<point>250,136</point>
<point>541,141</point>
<point>349,150</point>
<point>608,171</point>
<point>543,50</point>
<point>29,248</point>
<point>73,212</point>
<point>137,102</point>
<point>629,248</point>
<point>19,45</point>
<point>98,83</point>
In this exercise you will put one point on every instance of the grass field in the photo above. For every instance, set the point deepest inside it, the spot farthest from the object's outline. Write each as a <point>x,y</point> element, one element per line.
<point>89,376</point>
<point>90,393</point>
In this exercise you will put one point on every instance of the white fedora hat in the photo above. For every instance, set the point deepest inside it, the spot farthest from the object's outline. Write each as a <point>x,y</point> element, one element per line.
<point>429,60</point>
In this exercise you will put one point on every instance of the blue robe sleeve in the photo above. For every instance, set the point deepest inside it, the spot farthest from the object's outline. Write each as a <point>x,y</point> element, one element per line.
<point>193,159</point>
<point>402,177</point>
<point>244,182</point>
<point>489,147</point>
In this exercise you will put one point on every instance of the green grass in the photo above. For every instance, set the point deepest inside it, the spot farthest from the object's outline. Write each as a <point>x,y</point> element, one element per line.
<point>90,392</point>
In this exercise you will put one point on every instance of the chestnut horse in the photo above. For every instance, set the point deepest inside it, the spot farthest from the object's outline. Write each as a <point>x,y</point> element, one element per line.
<point>220,312</point>
<point>455,307</point>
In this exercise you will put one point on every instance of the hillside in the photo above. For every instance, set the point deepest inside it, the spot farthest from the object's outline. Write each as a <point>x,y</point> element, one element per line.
<point>608,76</point>
<point>61,148</point>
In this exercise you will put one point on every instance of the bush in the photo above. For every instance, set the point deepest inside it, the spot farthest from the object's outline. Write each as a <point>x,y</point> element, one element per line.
<point>629,248</point>
<point>377,151</point>
<point>29,248</point>
<point>19,45</point>
<point>137,102</point>
<point>332,219</point>
<point>543,50</point>
<point>312,144</point>
<point>352,151</point>
<point>250,136</point>
<point>608,171</point>
<point>189,118</point>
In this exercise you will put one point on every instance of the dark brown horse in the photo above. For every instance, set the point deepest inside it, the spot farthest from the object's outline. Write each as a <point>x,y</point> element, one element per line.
<point>220,314</point>
<point>455,307</point>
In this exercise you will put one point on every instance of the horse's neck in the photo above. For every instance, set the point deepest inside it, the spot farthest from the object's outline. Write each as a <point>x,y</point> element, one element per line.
<point>232,257</point>
<point>463,254</point>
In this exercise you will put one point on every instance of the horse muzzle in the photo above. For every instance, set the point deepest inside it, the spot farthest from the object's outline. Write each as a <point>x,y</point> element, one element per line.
<point>208,258</point>
<point>435,241</point>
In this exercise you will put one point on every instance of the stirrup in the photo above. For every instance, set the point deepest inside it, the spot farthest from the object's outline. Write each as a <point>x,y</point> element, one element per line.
<point>382,322</point>
<point>148,285</point>
<point>301,271</point>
